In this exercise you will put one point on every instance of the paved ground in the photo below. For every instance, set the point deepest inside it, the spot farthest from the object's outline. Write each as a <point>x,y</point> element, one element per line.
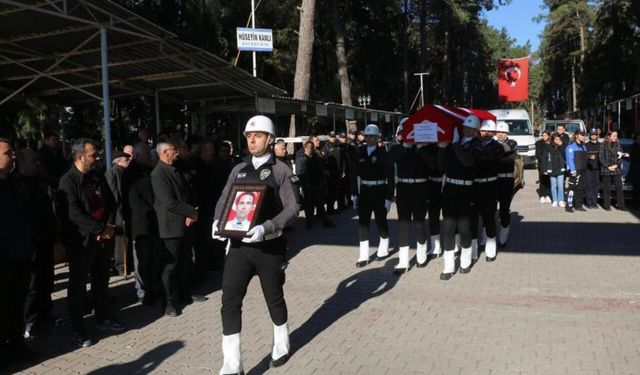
<point>563,298</point>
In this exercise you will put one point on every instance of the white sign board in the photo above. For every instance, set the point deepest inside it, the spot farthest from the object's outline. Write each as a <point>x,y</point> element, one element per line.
<point>260,40</point>
<point>425,132</point>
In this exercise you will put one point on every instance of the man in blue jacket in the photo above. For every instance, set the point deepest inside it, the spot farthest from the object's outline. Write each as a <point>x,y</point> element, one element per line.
<point>577,162</point>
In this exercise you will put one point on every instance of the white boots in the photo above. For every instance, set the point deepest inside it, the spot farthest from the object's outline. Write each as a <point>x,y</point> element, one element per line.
<point>474,249</point>
<point>383,248</point>
<point>434,244</point>
<point>490,249</point>
<point>363,258</point>
<point>403,260</point>
<point>280,349</point>
<point>421,254</point>
<point>503,235</point>
<point>232,361</point>
<point>465,259</point>
<point>449,264</point>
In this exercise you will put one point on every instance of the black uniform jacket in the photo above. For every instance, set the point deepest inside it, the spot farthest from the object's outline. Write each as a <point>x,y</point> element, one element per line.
<point>374,167</point>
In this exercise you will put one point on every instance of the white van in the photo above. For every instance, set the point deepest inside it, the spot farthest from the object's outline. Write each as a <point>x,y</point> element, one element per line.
<point>520,130</point>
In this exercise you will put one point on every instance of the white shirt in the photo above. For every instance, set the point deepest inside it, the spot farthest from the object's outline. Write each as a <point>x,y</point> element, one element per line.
<point>257,161</point>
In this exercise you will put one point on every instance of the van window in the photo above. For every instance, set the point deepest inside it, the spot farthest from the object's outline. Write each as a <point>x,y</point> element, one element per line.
<point>570,127</point>
<point>519,127</point>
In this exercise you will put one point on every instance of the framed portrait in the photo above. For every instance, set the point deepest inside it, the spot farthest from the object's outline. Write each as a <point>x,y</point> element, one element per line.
<point>241,209</point>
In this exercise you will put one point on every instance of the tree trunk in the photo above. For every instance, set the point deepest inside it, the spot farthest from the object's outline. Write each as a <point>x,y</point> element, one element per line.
<point>423,35</point>
<point>405,57</point>
<point>574,86</point>
<point>302,78</point>
<point>341,55</point>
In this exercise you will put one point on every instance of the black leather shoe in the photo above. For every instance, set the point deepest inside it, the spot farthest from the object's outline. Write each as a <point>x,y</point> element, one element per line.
<point>422,265</point>
<point>431,257</point>
<point>446,276</point>
<point>170,311</point>
<point>490,259</point>
<point>198,298</point>
<point>82,340</point>
<point>399,271</point>
<point>607,208</point>
<point>279,362</point>
<point>361,263</point>
<point>580,208</point>
<point>382,257</point>
<point>465,270</point>
<point>569,209</point>
<point>620,208</point>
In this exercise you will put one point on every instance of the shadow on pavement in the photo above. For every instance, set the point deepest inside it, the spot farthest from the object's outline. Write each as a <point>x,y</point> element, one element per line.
<point>350,294</point>
<point>148,362</point>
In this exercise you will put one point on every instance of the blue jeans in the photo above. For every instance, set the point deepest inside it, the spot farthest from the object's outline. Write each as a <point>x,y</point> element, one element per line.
<point>557,188</point>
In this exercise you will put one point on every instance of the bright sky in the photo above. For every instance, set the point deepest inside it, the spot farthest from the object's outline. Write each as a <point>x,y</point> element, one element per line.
<point>517,19</point>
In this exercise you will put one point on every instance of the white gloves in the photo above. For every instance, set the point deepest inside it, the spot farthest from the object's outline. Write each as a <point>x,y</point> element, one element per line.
<point>256,234</point>
<point>354,199</point>
<point>387,204</point>
<point>214,230</point>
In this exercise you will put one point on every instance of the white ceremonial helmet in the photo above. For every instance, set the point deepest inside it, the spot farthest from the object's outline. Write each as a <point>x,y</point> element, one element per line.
<point>372,129</point>
<point>502,127</point>
<point>260,124</point>
<point>488,126</point>
<point>400,125</point>
<point>472,121</point>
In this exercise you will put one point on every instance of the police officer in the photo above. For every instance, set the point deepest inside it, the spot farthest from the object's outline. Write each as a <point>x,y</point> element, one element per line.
<point>372,187</point>
<point>458,161</point>
<point>429,153</point>
<point>263,250</point>
<point>411,199</point>
<point>505,180</point>
<point>577,162</point>
<point>485,186</point>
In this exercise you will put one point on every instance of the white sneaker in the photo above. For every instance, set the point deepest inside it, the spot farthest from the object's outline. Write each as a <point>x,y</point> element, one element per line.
<point>562,204</point>
<point>542,200</point>
<point>554,204</point>
<point>547,199</point>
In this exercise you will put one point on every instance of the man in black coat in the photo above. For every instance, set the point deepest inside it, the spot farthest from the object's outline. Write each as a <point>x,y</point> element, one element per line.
<point>333,154</point>
<point>85,206</point>
<point>310,171</point>
<point>38,305</point>
<point>143,224</point>
<point>118,185</point>
<point>15,253</point>
<point>175,214</point>
<point>593,169</point>
<point>53,162</point>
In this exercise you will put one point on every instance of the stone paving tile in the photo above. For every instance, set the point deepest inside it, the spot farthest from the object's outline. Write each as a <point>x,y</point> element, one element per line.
<point>563,298</point>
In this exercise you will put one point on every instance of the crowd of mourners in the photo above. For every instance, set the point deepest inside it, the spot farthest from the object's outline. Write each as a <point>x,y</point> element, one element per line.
<point>579,171</point>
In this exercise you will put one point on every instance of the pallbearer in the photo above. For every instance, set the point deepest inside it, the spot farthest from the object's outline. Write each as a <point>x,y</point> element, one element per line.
<point>372,184</point>
<point>505,180</point>
<point>485,186</point>
<point>458,161</point>
<point>411,200</point>
<point>434,194</point>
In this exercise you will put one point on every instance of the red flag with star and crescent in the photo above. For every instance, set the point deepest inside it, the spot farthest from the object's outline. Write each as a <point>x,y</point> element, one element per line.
<point>447,121</point>
<point>513,79</point>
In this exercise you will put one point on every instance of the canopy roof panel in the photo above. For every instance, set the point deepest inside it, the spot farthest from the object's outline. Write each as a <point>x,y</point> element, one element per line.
<point>51,49</point>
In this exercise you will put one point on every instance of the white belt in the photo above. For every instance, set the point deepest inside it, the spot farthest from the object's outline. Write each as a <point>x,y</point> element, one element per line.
<point>273,236</point>
<point>412,180</point>
<point>505,175</point>
<point>435,179</point>
<point>372,182</point>
<point>455,181</point>
<point>488,179</point>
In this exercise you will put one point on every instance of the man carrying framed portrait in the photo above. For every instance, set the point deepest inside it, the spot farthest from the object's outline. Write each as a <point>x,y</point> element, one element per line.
<point>257,203</point>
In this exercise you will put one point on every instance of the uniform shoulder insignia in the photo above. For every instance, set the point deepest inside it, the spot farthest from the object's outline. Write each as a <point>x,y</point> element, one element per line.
<point>294,179</point>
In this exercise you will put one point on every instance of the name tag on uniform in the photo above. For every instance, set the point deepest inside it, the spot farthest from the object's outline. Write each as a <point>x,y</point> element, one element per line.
<point>241,175</point>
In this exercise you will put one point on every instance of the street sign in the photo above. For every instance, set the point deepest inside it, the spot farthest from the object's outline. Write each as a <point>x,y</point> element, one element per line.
<point>260,40</point>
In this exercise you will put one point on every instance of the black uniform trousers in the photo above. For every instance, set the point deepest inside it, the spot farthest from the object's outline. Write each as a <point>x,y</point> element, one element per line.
<point>332,192</point>
<point>434,193</point>
<point>411,203</point>
<point>616,180</point>
<point>313,199</point>
<point>175,270</point>
<point>14,281</point>
<point>592,185</point>
<point>146,260</point>
<point>94,259</point>
<point>576,187</point>
<point>343,192</point>
<point>457,211</point>
<point>266,259</point>
<point>505,196</point>
<point>38,303</point>
<point>371,199</point>
<point>486,197</point>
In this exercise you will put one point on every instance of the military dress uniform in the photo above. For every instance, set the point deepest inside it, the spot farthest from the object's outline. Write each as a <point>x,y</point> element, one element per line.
<point>458,161</point>
<point>506,166</point>
<point>411,201</point>
<point>435,178</point>
<point>265,257</point>
<point>372,181</point>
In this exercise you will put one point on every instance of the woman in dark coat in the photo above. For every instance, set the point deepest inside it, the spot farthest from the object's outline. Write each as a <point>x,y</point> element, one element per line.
<point>544,187</point>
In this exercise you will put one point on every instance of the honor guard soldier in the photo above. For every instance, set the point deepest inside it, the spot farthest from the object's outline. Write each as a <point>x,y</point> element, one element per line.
<point>263,250</point>
<point>434,194</point>
<point>485,186</point>
<point>505,179</point>
<point>411,200</point>
<point>372,185</point>
<point>458,161</point>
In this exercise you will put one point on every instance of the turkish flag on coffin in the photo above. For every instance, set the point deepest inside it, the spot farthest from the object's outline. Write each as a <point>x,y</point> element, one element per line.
<point>446,120</point>
<point>513,79</point>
